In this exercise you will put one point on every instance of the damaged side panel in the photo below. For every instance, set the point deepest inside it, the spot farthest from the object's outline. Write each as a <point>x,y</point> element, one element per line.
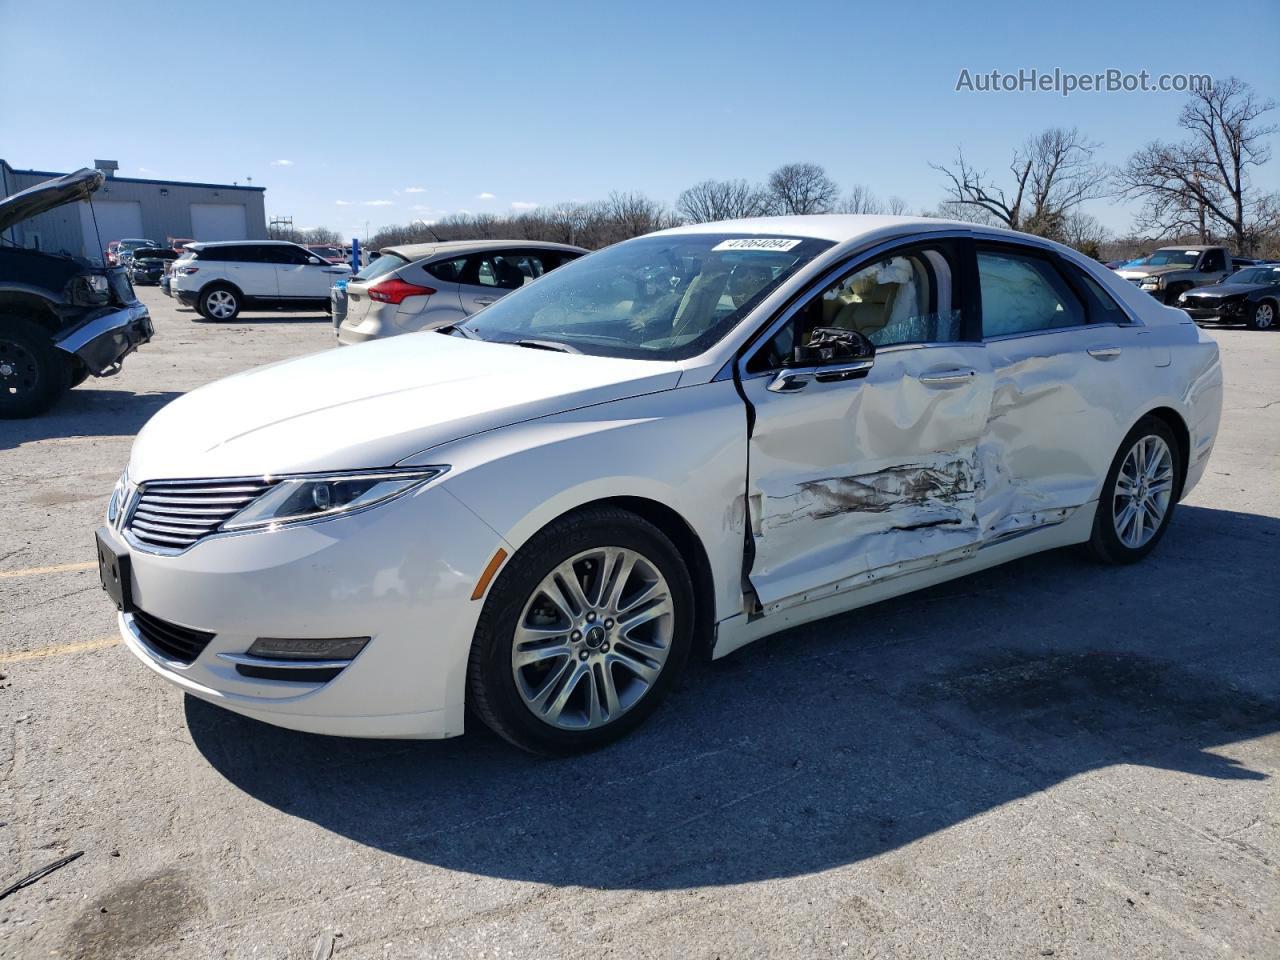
<point>849,478</point>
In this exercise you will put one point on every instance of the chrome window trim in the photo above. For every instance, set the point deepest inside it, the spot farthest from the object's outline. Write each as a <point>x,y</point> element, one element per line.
<point>851,261</point>
<point>1048,330</point>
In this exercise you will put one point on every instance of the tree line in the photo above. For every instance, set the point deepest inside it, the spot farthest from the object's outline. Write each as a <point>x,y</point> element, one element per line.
<point>1198,188</point>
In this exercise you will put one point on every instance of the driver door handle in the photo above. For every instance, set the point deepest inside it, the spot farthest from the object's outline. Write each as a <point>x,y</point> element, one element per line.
<point>485,301</point>
<point>1104,353</point>
<point>947,378</point>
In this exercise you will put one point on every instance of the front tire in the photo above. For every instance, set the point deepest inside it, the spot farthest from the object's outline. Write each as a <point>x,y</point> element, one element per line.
<point>1263,316</point>
<point>219,303</point>
<point>1139,494</point>
<point>582,634</point>
<point>34,374</point>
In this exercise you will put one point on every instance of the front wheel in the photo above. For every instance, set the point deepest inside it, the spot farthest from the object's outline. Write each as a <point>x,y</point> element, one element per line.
<point>219,303</point>
<point>34,374</point>
<point>582,634</point>
<point>1138,495</point>
<point>1264,316</point>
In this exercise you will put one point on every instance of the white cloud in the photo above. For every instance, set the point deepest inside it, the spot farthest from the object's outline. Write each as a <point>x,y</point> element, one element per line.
<point>523,205</point>
<point>282,163</point>
<point>414,190</point>
<point>343,203</point>
<point>486,196</point>
<point>377,203</point>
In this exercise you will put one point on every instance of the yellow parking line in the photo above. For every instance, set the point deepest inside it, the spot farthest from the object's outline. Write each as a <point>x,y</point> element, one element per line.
<point>58,650</point>
<point>35,571</point>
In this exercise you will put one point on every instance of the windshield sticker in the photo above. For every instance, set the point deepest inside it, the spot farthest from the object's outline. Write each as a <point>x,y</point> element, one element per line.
<point>776,244</point>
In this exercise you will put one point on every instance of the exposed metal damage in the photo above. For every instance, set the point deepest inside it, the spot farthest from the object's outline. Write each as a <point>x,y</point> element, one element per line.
<point>900,487</point>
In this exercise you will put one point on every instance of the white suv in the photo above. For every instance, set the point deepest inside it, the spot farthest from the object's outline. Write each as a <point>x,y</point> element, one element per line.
<point>221,279</point>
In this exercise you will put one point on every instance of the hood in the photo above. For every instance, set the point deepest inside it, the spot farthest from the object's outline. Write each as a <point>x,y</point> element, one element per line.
<point>374,405</point>
<point>46,196</point>
<point>1227,289</point>
<point>1134,273</point>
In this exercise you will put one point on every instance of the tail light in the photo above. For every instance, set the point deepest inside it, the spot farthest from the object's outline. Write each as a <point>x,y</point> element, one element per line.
<point>394,290</point>
<point>187,271</point>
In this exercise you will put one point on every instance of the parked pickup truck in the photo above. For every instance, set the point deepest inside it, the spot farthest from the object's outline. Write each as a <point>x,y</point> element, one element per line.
<point>62,317</point>
<point>1171,271</point>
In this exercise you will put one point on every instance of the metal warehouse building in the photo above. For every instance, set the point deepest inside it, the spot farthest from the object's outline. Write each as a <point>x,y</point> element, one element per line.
<point>126,207</point>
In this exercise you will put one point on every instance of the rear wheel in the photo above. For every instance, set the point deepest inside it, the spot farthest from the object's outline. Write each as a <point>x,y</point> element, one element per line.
<point>34,374</point>
<point>1264,316</point>
<point>582,634</point>
<point>219,303</point>
<point>1138,495</point>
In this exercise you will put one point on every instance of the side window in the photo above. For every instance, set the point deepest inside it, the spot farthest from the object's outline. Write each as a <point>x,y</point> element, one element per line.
<point>287,255</point>
<point>1024,293</point>
<point>508,271</point>
<point>449,271</point>
<point>1214,260</point>
<point>1099,304</point>
<point>223,254</point>
<point>908,296</point>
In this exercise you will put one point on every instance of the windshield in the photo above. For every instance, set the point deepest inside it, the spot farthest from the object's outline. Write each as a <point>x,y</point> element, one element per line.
<point>128,245</point>
<point>664,297</point>
<point>1166,258</point>
<point>383,265</point>
<point>326,251</point>
<point>1256,275</point>
<point>151,254</point>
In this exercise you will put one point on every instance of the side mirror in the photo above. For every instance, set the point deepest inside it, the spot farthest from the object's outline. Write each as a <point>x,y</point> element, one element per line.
<point>831,354</point>
<point>314,261</point>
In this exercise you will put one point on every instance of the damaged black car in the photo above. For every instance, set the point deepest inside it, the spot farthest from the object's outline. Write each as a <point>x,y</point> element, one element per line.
<point>62,318</point>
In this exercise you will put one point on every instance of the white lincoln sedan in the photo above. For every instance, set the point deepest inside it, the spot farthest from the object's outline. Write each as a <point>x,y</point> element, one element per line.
<point>683,442</point>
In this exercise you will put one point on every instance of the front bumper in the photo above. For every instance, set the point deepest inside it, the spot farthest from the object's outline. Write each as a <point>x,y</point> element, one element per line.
<point>1201,309</point>
<point>102,341</point>
<point>401,573</point>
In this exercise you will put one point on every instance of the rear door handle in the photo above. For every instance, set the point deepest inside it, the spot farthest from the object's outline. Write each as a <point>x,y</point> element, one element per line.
<point>947,378</point>
<point>485,301</point>
<point>1104,353</point>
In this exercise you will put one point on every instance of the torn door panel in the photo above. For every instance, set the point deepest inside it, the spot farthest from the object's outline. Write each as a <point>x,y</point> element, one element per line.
<point>858,523</point>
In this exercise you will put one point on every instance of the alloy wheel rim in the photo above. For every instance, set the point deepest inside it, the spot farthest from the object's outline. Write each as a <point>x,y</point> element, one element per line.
<point>593,638</point>
<point>1265,315</point>
<point>221,304</point>
<point>1144,490</point>
<point>19,372</point>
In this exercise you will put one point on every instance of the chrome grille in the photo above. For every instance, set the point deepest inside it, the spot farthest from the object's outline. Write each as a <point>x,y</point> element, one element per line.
<point>174,514</point>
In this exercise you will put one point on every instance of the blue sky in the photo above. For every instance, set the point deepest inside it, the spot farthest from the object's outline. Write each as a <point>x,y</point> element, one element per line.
<point>397,111</point>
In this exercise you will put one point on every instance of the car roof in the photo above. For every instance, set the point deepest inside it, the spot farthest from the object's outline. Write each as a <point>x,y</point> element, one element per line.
<point>838,227</point>
<point>1190,246</point>
<point>201,244</point>
<point>421,251</point>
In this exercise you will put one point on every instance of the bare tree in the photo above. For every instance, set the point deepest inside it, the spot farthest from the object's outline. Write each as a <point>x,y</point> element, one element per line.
<point>859,200</point>
<point>951,210</point>
<point>896,207</point>
<point>1083,231</point>
<point>802,188</point>
<point>1203,184</point>
<point>722,200</point>
<point>1053,173</point>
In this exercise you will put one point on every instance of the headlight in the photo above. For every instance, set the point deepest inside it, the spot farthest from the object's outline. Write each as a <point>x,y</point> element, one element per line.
<point>1153,282</point>
<point>118,493</point>
<point>296,499</point>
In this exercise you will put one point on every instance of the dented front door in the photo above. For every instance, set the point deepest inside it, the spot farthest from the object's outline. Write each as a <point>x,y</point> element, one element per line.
<point>853,481</point>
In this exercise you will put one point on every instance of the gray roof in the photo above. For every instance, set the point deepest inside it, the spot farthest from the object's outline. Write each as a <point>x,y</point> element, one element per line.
<point>421,251</point>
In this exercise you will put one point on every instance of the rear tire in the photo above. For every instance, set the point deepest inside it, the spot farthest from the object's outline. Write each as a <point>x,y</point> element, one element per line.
<point>34,374</point>
<point>219,303</point>
<point>554,674</point>
<point>1139,494</point>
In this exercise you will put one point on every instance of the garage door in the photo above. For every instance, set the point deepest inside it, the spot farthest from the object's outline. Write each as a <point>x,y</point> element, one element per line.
<point>218,221</point>
<point>117,220</point>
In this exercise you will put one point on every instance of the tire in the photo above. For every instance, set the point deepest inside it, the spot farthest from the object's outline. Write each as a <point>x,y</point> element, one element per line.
<point>1122,533</point>
<point>219,303</point>
<point>79,374</point>
<point>1263,316</point>
<point>578,690</point>
<point>1173,293</point>
<point>34,374</point>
